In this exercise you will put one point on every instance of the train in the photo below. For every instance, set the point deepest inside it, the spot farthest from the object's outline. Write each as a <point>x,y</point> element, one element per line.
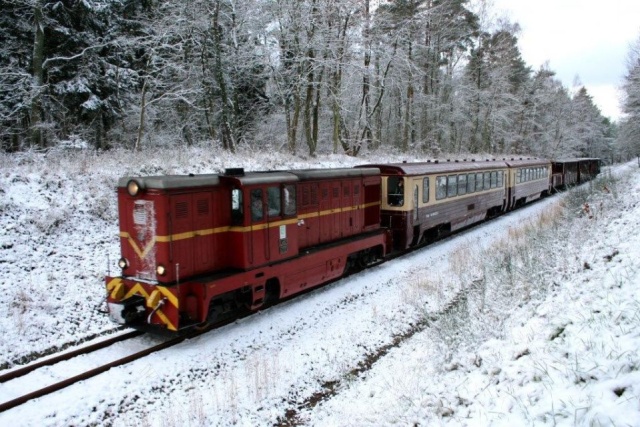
<point>199,249</point>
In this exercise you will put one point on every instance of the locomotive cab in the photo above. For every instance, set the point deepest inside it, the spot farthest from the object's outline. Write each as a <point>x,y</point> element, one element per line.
<point>263,218</point>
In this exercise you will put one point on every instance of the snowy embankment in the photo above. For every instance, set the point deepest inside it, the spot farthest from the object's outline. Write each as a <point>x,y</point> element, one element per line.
<point>567,352</point>
<point>531,318</point>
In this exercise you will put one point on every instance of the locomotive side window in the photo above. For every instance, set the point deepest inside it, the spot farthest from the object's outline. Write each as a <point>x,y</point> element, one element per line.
<point>256,205</point>
<point>289,199</point>
<point>237,213</point>
<point>452,185</point>
<point>441,187</point>
<point>395,191</point>
<point>462,184</point>
<point>273,201</point>
<point>425,190</point>
<point>471,183</point>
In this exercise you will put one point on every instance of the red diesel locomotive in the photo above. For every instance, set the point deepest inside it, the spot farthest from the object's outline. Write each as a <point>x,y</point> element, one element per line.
<point>200,248</point>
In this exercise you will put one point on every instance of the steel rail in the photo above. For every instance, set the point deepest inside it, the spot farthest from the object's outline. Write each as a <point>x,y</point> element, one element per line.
<point>16,373</point>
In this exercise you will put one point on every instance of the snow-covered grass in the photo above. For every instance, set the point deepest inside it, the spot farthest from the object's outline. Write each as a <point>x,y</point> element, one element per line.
<point>530,319</point>
<point>548,331</point>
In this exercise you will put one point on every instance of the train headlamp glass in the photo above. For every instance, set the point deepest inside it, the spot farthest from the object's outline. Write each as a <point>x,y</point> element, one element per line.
<point>123,263</point>
<point>161,270</point>
<point>133,188</point>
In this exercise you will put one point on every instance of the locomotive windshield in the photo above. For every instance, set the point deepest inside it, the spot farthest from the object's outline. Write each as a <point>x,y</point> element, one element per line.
<point>395,191</point>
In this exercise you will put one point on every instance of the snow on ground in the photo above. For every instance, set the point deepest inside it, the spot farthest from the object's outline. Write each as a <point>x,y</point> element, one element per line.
<point>559,345</point>
<point>571,357</point>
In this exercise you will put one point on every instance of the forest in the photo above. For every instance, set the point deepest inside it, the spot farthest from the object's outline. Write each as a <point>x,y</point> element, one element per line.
<point>304,76</point>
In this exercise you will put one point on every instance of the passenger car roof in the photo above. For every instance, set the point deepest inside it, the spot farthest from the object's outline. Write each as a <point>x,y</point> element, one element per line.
<point>424,168</point>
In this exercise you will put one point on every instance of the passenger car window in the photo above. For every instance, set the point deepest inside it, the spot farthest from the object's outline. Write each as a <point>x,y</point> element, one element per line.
<point>425,190</point>
<point>479,181</point>
<point>487,180</point>
<point>441,187</point>
<point>452,185</point>
<point>395,191</point>
<point>471,183</point>
<point>500,178</point>
<point>494,179</point>
<point>462,184</point>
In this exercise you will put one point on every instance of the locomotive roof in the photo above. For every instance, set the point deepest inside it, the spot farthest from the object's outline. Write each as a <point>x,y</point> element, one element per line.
<point>335,173</point>
<point>424,168</point>
<point>266,177</point>
<point>164,182</point>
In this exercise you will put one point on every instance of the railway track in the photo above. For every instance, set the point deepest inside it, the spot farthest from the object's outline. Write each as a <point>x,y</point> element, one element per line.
<point>328,390</point>
<point>16,373</point>
<point>89,373</point>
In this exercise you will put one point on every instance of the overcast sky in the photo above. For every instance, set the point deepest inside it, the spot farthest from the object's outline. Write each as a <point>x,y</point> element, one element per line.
<point>584,38</point>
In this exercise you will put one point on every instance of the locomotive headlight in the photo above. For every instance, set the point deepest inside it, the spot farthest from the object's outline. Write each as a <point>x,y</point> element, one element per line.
<point>133,188</point>
<point>123,263</point>
<point>161,270</point>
